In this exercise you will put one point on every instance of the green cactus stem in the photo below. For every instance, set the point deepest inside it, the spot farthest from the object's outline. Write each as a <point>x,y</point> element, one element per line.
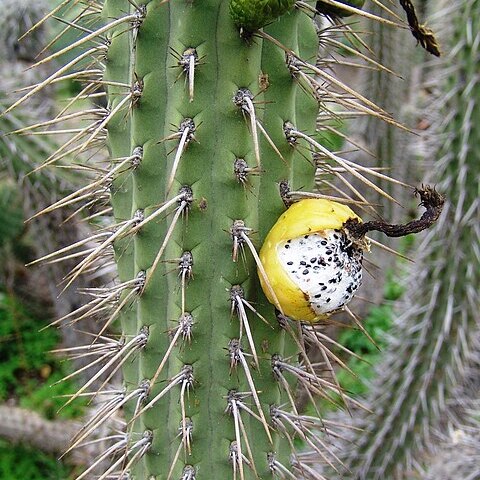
<point>211,378</point>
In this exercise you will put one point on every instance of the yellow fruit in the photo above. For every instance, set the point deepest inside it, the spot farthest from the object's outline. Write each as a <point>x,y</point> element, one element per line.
<point>311,266</point>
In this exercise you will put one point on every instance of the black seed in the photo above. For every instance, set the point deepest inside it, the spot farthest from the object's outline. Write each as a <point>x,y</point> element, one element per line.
<point>305,272</point>
<point>332,280</point>
<point>287,246</point>
<point>328,299</point>
<point>289,263</point>
<point>324,287</point>
<point>313,260</point>
<point>303,263</point>
<point>328,252</point>
<point>318,295</point>
<point>323,242</point>
<point>306,236</point>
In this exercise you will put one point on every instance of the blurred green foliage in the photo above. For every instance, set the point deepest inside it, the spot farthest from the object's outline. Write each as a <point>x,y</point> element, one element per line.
<point>331,140</point>
<point>11,211</point>
<point>26,377</point>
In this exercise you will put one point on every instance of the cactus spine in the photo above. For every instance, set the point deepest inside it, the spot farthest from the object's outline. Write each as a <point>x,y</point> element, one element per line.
<point>389,144</point>
<point>435,345</point>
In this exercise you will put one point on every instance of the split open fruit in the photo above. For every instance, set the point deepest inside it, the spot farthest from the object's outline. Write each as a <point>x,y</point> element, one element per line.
<point>311,266</point>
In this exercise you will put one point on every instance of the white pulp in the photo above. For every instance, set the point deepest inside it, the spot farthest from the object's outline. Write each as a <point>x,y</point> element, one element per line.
<point>326,267</point>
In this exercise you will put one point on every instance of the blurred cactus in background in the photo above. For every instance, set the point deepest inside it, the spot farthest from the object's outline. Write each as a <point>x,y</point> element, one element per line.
<point>24,193</point>
<point>391,147</point>
<point>210,121</point>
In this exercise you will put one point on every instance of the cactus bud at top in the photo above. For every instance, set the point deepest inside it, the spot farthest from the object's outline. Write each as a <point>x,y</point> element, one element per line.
<point>310,263</point>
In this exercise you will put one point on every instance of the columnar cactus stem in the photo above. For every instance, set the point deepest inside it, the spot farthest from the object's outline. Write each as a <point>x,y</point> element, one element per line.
<point>210,119</point>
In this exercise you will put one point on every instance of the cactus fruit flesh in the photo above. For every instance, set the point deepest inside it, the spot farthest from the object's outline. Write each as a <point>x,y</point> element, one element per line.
<point>311,264</point>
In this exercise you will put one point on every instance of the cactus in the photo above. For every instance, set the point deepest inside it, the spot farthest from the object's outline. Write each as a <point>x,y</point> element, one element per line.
<point>434,347</point>
<point>206,128</point>
<point>457,445</point>
<point>208,108</point>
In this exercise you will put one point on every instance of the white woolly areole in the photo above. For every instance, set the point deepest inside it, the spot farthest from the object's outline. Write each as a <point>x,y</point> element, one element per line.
<point>326,267</point>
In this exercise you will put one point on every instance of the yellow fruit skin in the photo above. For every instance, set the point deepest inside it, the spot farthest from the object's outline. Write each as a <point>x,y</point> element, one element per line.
<point>304,217</point>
